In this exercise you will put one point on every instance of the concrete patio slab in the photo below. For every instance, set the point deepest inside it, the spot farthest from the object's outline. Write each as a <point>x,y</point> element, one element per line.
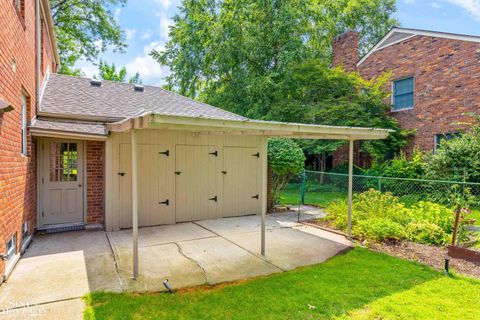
<point>289,248</point>
<point>223,261</point>
<point>61,266</point>
<point>59,310</point>
<point>157,263</point>
<point>151,236</point>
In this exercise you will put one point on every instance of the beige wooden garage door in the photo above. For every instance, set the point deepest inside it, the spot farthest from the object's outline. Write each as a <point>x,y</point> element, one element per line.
<point>241,194</point>
<point>155,185</point>
<point>197,190</point>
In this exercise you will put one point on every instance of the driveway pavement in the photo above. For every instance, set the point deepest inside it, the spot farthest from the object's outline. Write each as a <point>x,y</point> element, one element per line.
<point>58,269</point>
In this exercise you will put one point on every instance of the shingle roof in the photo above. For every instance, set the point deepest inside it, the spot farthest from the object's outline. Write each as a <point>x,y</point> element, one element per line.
<point>68,96</point>
<point>70,126</point>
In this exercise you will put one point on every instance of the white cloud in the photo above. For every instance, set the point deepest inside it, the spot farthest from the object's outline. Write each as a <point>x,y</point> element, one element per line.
<point>146,34</point>
<point>409,1</point>
<point>87,68</point>
<point>165,3</point>
<point>165,24</point>
<point>471,6</point>
<point>150,71</point>
<point>130,34</point>
<point>116,14</point>
<point>435,5</point>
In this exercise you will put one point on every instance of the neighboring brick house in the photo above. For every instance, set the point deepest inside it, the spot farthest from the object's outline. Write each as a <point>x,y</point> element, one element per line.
<point>435,79</point>
<point>22,72</point>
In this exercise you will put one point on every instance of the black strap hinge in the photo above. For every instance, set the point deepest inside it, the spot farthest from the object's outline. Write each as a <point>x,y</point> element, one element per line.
<point>166,202</point>
<point>165,153</point>
<point>256,155</point>
<point>214,153</point>
<point>214,199</point>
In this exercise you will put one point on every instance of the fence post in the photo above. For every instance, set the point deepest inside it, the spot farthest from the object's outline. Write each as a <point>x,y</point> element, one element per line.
<point>380,184</point>
<point>302,190</point>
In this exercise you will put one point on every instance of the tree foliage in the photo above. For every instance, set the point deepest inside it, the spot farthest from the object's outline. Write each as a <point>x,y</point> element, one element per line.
<point>109,72</point>
<point>233,53</point>
<point>285,159</point>
<point>84,29</point>
<point>315,93</point>
<point>457,159</point>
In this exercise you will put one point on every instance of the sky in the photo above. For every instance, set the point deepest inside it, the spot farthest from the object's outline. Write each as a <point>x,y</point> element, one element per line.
<point>146,22</point>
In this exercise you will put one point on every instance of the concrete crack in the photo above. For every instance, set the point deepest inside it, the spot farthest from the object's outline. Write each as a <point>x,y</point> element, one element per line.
<point>194,261</point>
<point>117,269</point>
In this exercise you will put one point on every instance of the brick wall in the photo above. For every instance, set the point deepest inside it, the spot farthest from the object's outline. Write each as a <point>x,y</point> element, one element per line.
<point>17,75</point>
<point>446,76</point>
<point>95,182</point>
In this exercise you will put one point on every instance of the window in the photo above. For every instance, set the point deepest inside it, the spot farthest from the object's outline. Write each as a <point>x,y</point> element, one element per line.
<point>403,94</point>
<point>24,124</point>
<point>24,231</point>
<point>63,161</point>
<point>445,136</point>
<point>11,247</point>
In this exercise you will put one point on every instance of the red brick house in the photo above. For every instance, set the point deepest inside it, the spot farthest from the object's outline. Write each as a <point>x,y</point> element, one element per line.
<point>27,53</point>
<point>80,153</point>
<point>435,79</point>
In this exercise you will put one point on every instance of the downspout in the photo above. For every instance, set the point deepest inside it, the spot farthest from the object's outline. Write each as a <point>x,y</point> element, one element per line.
<point>38,54</point>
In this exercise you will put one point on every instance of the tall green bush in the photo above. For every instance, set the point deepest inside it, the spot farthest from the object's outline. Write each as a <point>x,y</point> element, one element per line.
<point>286,159</point>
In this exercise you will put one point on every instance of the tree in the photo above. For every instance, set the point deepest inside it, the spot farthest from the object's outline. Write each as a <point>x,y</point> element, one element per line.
<point>457,159</point>
<point>286,159</point>
<point>233,53</point>
<point>84,29</point>
<point>315,93</point>
<point>109,72</point>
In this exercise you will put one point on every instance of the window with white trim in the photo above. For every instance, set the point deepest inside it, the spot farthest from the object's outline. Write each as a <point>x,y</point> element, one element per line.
<point>403,94</point>
<point>444,136</point>
<point>11,247</point>
<point>24,124</point>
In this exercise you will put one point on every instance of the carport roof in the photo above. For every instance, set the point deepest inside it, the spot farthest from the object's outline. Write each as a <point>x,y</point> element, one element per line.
<point>247,127</point>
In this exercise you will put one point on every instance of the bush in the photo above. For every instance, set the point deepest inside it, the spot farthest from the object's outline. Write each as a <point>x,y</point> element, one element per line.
<point>425,232</point>
<point>381,216</point>
<point>285,159</point>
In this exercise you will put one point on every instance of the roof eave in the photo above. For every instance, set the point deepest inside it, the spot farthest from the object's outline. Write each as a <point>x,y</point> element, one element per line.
<point>248,127</point>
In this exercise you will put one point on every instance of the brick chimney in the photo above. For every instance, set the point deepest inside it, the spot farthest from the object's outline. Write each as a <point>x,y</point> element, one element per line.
<point>345,50</point>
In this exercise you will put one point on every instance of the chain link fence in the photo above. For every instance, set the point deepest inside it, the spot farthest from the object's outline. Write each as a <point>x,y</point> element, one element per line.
<point>319,188</point>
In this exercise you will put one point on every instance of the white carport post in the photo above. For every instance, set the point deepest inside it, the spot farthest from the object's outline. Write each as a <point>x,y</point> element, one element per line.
<point>264,192</point>
<point>350,187</point>
<point>134,204</point>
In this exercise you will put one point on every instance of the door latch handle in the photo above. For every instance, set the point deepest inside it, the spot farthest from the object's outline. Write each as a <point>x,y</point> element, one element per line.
<point>255,197</point>
<point>178,173</point>
<point>121,174</point>
<point>165,153</point>
<point>166,202</point>
<point>214,199</point>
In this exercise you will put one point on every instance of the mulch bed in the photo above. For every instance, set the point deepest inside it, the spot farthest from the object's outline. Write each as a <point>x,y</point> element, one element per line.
<point>431,255</point>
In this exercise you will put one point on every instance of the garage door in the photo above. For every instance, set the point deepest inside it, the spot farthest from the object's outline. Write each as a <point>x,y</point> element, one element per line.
<point>196,183</point>
<point>241,194</point>
<point>155,185</point>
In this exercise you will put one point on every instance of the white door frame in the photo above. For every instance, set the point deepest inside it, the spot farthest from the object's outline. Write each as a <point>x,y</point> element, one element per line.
<point>41,178</point>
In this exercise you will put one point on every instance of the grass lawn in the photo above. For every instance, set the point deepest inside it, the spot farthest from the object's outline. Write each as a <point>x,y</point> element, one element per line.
<point>360,284</point>
<point>321,199</point>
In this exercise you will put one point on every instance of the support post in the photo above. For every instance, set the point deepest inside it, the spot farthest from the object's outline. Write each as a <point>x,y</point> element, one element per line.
<point>264,168</point>
<point>350,187</point>
<point>134,204</point>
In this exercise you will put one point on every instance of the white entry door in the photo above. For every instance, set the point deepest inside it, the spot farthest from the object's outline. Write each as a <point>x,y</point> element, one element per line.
<point>62,182</point>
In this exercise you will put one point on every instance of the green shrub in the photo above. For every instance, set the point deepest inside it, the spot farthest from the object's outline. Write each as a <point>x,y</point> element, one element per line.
<point>381,216</point>
<point>425,232</point>
<point>378,229</point>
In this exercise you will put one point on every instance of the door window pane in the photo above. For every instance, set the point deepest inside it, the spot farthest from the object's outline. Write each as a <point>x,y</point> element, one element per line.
<point>63,161</point>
